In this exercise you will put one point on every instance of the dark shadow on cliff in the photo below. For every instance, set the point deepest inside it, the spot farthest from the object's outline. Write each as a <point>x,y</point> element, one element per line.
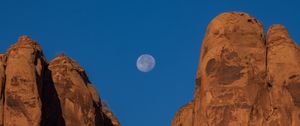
<point>101,119</point>
<point>51,108</point>
<point>107,121</point>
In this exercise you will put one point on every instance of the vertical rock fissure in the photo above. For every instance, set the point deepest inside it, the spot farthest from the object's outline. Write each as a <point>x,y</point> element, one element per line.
<point>3,99</point>
<point>2,88</point>
<point>198,85</point>
<point>266,59</point>
<point>268,91</point>
<point>268,84</point>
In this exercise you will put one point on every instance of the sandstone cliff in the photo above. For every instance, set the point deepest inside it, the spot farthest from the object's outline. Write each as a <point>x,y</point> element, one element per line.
<point>33,92</point>
<point>245,77</point>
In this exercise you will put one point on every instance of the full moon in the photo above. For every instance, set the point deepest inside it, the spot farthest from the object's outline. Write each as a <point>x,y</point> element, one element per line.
<point>145,63</point>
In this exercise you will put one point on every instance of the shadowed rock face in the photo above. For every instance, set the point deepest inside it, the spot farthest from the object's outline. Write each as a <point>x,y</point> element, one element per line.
<point>2,83</point>
<point>245,78</point>
<point>33,92</point>
<point>76,101</point>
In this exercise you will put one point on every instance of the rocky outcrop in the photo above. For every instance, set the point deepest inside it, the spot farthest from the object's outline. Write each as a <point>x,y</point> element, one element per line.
<point>184,116</point>
<point>231,70</point>
<point>245,78</point>
<point>24,75</point>
<point>283,79</point>
<point>33,92</point>
<point>76,101</point>
<point>109,116</point>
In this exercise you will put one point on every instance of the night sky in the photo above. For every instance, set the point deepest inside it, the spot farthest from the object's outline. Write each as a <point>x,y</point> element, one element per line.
<point>107,36</point>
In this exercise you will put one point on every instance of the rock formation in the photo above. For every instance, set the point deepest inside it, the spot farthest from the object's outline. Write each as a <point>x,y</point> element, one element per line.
<point>2,83</point>
<point>184,117</point>
<point>24,73</point>
<point>245,77</point>
<point>33,92</point>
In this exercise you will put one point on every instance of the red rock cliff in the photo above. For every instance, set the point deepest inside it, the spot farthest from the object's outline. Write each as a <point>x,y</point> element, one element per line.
<point>245,77</point>
<point>33,92</point>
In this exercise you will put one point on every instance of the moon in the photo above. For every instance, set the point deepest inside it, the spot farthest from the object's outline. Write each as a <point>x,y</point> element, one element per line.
<point>145,63</point>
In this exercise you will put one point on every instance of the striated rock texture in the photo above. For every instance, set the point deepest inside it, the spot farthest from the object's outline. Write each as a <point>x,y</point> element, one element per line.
<point>33,92</point>
<point>245,77</point>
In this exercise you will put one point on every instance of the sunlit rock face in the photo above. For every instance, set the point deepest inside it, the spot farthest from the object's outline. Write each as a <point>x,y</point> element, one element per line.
<point>245,76</point>
<point>34,93</point>
<point>76,101</point>
<point>24,74</point>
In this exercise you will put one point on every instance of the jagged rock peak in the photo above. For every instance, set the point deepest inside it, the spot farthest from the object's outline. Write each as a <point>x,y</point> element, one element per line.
<point>278,34</point>
<point>61,60</point>
<point>25,42</point>
<point>25,38</point>
<point>62,68</point>
<point>71,83</point>
<point>24,81</point>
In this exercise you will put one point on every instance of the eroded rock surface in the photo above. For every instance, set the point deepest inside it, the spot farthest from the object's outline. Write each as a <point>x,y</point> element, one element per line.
<point>110,118</point>
<point>245,78</point>
<point>76,101</point>
<point>184,116</point>
<point>24,75</point>
<point>283,79</point>
<point>33,92</point>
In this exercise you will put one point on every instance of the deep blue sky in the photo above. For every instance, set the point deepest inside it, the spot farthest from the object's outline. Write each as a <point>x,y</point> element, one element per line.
<point>107,36</point>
